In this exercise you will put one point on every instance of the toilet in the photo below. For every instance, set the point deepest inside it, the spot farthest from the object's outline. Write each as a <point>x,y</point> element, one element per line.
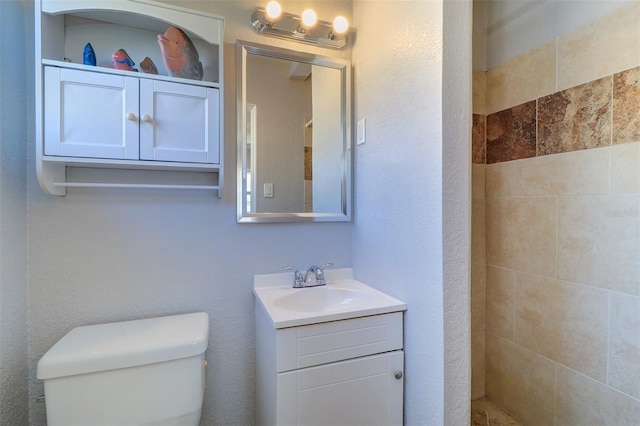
<point>142,372</point>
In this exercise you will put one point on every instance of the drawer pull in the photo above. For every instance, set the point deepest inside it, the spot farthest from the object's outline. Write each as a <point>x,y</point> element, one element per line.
<point>398,374</point>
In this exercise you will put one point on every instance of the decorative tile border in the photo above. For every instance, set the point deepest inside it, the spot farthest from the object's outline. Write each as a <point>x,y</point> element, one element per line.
<point>478,136</point>
<point>511,134</point>
<point>626,106</point>
<point>592,115</point>
<point>576,118</point>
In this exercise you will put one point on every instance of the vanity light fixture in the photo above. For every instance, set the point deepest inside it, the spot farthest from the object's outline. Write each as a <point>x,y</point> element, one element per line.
<point>306,28</point>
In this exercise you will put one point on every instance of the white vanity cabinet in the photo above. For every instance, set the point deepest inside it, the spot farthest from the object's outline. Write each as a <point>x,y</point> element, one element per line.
<point>100,117</point>
<point>347,372</point>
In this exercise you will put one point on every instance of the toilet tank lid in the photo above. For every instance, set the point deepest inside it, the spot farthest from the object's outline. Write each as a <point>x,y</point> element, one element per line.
<point>102,347</point>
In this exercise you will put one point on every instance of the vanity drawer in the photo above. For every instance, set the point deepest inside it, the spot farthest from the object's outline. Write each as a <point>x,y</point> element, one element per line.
<point>306,346</point>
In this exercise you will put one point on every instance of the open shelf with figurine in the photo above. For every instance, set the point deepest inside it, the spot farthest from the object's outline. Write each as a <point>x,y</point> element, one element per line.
<point>139,115</point>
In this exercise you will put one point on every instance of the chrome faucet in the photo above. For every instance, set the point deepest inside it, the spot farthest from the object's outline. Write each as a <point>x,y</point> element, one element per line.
<point>312,278</point>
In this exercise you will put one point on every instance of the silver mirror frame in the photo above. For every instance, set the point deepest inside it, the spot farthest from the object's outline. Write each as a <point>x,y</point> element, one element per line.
<point>242,49</point>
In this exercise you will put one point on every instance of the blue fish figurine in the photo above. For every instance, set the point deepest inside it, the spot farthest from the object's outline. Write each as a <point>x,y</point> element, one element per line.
<point>180,55</point>
<point>88,55</point>
<point>122,61</point>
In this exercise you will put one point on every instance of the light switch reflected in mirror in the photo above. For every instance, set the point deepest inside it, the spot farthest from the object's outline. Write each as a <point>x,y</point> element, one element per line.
<point>293,136</point>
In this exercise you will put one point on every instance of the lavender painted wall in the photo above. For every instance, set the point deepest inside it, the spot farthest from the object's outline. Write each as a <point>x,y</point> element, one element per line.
<point>13,224</point>
<point>109,255</point>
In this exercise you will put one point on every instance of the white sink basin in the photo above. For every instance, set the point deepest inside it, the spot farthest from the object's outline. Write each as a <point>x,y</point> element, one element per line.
<point>321,299</point>
<point>343,297</point>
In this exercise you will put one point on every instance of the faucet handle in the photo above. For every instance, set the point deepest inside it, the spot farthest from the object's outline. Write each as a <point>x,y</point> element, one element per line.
<point>298,279</point>
<point>320,273</point>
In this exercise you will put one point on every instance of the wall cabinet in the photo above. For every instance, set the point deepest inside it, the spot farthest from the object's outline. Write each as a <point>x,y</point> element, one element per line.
<point>101,117</point>
<point>347,372</point>
<point>97,115</point>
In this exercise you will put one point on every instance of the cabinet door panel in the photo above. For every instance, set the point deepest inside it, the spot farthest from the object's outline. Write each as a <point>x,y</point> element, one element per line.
<point>362,391</point>
<point>86,114</point>
<point>183,122</point>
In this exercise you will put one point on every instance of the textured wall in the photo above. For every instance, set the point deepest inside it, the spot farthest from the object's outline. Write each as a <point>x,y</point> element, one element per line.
<point>107,255</point>
<point>456,208</point>
<point>398,225</point>
<point>13,254</point>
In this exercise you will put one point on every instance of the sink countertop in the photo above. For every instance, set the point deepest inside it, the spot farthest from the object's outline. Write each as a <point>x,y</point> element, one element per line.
<point>289,307</point>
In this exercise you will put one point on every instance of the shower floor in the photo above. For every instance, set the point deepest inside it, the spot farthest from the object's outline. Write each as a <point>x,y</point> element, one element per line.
<point>486,413</point>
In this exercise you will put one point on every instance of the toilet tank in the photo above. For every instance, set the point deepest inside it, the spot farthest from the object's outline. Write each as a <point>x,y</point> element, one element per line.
<point>142,372</point>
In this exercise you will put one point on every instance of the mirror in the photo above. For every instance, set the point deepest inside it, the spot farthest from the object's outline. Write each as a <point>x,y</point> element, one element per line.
<point>294,136</point>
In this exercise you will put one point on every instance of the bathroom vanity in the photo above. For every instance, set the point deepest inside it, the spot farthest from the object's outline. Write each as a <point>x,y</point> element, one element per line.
<point>329,355</point>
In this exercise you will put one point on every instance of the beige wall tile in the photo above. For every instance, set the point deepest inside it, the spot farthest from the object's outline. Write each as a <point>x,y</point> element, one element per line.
<point>599,241</point>
<point>625,168</point>
<point>624,344</point>
<point>479,87</point>
<point>524,78</point>
<point>563,321</point>
<point>521,234</point>
<point>600,48</point>
<point>582,401</point>
<point>580,172</point>
<point>500,179</point>
<point>501,290</point>
<point>520,380</point>
<point>477,180</point>
<point>478,231</point>
<point>477,365</point>
<point>478,297</point>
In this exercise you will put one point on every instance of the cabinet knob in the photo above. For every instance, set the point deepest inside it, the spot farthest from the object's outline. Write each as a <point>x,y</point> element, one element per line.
<point>131,117</point>
<point>398,374</point>
<point>146,118</point>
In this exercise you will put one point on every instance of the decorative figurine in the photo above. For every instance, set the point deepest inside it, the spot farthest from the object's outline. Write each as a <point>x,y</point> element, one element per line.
<point>121,61</point>
<point>180,55</point>
<point>148,66</point>
<point>88,55</point>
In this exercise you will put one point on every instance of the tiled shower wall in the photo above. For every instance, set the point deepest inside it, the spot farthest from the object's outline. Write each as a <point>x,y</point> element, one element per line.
<point>556,228</point>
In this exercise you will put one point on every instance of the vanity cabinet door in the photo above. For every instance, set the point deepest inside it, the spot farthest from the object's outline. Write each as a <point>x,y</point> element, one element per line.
<point>179,122</point>
<point>90,114</point>
<point>361,391</point>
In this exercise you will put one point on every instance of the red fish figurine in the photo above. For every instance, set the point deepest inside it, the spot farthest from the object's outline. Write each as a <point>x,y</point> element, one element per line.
<point>180,55</point>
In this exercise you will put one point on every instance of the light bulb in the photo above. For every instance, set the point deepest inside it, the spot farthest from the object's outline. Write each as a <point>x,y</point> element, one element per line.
<point>273,10</point>
<point>340,25</point>
<point>309,18</point>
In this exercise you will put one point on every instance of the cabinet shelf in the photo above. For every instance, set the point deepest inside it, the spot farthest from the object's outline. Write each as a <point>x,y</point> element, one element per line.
<point>132,185</point>
<point>104,70</point>
<point>131,164</point>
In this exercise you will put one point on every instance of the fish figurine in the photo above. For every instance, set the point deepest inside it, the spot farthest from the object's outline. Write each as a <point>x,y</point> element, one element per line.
<point>88,55</point>
<point>180,55</point>
<point>122,61</point>
<point>147,66</point>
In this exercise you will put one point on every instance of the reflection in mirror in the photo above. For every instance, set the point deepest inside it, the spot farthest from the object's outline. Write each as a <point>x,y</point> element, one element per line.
<point>250,154</point>
<point>293,158</point>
